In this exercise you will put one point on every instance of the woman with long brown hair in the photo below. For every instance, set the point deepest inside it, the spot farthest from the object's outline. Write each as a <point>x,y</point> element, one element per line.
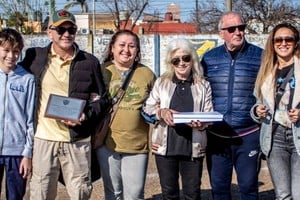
<point>278,109</point>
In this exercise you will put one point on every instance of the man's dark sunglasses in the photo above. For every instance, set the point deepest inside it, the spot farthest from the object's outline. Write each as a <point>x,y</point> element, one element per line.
<point>232,29</point>
<point>61,30</point>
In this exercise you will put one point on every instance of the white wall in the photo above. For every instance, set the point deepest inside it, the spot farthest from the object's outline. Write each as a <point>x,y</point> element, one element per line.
<point>201,42</point>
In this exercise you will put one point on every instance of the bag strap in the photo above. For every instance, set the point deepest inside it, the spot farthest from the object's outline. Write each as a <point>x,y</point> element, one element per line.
<point>281,89</point>
<point>121,91</point>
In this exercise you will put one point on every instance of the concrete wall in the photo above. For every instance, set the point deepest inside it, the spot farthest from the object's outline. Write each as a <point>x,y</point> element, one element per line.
<point>152,46</point>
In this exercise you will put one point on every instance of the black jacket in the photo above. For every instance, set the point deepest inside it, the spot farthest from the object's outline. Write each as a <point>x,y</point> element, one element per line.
<point>85,78</point>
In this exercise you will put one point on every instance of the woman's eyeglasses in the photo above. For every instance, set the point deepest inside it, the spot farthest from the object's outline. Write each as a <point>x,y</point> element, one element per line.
<point>61,30</point>
<point>288,40</point>
<point>175,61</point>
<point>232,29</point>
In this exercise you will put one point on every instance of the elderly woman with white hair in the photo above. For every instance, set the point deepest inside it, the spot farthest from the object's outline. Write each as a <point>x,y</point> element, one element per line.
<point>179,148</point>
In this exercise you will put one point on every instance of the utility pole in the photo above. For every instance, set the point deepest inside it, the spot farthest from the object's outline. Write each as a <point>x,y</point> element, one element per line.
<point>94,18</point>
<point>197,16</point>
<point>229,5</point>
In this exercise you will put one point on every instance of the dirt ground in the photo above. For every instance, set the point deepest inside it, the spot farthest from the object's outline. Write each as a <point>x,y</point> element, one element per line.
<point>153,192</point>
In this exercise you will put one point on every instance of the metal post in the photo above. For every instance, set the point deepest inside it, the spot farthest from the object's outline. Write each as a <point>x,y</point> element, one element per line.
<point>197,16</point>
<point>157,54</point>
<point>94,20</point>
<point>94,27</point>
<point>229,5</point>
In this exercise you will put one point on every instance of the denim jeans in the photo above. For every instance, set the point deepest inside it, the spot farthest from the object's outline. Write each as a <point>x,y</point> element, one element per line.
<point>170,167</point>
<point>15,184</point>
<point>224,154</point>
<point>284,165</point>
<point>123,174</point>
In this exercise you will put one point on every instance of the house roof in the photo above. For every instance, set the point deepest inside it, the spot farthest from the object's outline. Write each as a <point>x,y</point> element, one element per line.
<point>172,27</point>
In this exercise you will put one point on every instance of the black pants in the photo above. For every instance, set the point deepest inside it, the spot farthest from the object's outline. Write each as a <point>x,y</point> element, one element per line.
<point>170,167</point>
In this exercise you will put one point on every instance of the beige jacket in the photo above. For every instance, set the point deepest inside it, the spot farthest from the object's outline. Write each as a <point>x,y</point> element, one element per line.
<point>161,95</point>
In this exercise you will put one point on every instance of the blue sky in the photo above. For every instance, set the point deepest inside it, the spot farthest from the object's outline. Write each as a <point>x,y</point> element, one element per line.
<point>160,6</point>
<point>188,6</point>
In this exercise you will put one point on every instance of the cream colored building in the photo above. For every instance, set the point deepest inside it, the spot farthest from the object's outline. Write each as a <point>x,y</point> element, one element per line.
<point>103,22</point>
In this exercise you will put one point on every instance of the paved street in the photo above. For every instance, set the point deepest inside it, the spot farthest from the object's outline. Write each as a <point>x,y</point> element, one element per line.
<point>152,190</point>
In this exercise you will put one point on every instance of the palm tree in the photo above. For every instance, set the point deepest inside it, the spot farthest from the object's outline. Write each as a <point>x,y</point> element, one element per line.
<point>83,4</point>
<point>52,6</point>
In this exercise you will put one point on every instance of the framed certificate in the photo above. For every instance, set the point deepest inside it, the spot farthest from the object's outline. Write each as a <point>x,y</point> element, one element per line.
<point>66,108</point>
<point>187,117</point>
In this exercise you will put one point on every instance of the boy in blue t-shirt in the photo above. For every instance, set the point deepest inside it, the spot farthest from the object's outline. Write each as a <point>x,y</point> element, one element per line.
<point>16,115</point>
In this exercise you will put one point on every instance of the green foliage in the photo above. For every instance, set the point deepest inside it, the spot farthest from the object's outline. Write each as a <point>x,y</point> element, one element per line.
<point>27,30</point>
<point>16,19</point>
<point>16,12</point>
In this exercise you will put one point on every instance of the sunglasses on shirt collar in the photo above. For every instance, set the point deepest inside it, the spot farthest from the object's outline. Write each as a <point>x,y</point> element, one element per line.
<point>61,30</point>
<point>232,29</point>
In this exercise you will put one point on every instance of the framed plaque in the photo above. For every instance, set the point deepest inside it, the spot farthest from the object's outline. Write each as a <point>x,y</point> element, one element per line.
<point>64,108</point>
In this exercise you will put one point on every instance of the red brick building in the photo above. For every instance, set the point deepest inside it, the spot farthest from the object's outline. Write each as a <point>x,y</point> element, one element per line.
<point>156,25</point>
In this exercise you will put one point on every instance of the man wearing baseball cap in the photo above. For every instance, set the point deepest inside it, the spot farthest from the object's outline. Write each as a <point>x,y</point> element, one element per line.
<point>61,16</point>
<point>63,69</point>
